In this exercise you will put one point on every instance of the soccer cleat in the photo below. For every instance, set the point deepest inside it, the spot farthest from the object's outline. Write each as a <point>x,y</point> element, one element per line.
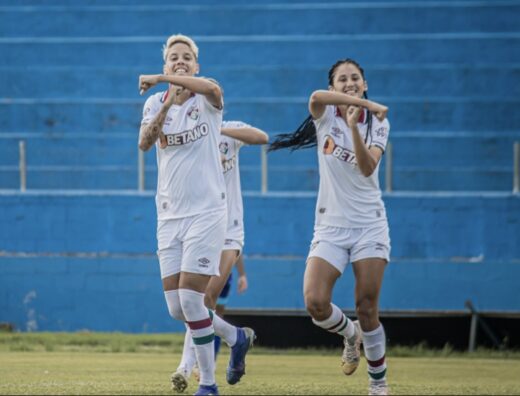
<point>379,387</point>
<point>207,390</point>
<point>179,381</point>
<point>351,353</point>
<point>237,360</point>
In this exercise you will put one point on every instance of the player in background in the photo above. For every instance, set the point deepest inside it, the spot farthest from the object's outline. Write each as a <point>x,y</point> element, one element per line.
<point>351,133</point>
<point>234,135</point>
<point>184,123</point>
<point>223,298</point>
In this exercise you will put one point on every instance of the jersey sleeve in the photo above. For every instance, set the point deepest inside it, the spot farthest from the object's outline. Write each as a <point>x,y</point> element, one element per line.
<point>380,132</point>
<point>151,108</point>
<point>236,124</point>
<point>208,106</point>
<point>325,117</point>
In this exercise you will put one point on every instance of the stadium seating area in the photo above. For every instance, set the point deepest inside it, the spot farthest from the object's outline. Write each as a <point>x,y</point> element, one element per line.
<point>83,235</point>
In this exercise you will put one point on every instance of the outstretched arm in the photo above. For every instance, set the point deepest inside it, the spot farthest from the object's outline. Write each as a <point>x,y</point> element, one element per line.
<point>321,98</point>
<point>198,85</point>
<point>247,135</point>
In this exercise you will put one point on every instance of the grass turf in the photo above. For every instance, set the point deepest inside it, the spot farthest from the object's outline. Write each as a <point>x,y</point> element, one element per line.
<point>93,363</point>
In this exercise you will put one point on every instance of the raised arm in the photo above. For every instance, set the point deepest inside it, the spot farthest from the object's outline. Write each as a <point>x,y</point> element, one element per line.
<point>198,85</point>
<point>247,135</point>
<point>321,98</point>
<point>367,157</point>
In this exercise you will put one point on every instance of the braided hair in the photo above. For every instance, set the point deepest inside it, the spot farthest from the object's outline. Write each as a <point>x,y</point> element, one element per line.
<point>305,135</point>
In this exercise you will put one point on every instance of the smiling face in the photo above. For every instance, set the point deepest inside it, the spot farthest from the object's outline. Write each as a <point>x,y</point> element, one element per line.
<point>180,60</point>
<point>348,79</point>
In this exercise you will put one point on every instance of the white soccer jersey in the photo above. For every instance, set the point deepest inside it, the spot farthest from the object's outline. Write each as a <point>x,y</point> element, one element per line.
<point>346,198</point>
<point>190,179</point>
<point>229,148</point>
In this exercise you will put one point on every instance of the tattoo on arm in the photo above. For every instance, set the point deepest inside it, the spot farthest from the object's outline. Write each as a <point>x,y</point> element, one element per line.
<point>150,132</point>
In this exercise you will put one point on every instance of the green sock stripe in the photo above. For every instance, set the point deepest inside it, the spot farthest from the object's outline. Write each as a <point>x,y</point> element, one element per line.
<point>342,327</point>
<point>204,340</point>
<point>210,314</point>
<point>377,376</point>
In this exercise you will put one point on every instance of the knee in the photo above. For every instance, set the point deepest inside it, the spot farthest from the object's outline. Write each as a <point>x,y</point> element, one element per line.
<point>210,301</point>
<point>174,305</point>
<point>366,310</point>
<point>317,306</point>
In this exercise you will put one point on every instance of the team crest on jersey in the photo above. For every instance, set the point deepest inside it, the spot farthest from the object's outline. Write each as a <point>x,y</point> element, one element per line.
<point>146,111</point>
<point>331,148</point>
<point>336,131</point>
<point>223,147</point>
<point>381,132</point>
<point>193,113</point>
<point>168,120</point>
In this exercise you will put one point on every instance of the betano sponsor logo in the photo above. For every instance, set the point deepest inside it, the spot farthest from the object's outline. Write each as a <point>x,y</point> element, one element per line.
<point>189,136</point>
<point>331,148</point>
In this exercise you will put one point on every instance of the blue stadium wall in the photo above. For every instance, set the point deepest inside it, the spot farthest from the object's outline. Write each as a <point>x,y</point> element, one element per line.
<point>85,260</point>
<point>77,249</point>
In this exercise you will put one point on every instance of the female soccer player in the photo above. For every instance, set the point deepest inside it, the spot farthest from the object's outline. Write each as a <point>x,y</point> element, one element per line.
<point>351,225</point>
<point>234,135</point>
<point>190,199</point>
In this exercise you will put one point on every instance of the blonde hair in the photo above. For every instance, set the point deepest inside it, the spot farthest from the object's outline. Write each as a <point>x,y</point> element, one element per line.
<point>180,38</point>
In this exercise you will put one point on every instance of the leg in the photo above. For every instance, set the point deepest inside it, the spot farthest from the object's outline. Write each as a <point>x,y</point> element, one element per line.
<point>369,276</point>
<point>191,293</point>
<point>220,308</point>
<point>319,279</point>
<point>216,283</point>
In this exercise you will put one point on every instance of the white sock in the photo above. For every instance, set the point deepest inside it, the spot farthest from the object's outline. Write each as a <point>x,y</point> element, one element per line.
<point>338,323</point>
<point>224,330</point>
<point>374,345</point>
<point>202,332</point>
<point>189,358</point>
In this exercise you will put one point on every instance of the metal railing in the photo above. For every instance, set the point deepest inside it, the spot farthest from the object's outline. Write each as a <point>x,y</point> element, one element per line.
<point>264,168</point>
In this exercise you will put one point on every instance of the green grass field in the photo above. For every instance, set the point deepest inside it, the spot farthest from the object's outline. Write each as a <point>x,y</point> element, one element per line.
<point>92,363</point>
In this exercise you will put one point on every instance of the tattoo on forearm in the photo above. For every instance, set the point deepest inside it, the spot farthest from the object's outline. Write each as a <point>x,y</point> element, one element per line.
<point>150,133</point>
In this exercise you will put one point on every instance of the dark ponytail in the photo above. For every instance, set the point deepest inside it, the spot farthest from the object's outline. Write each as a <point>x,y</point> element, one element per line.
<point>305,135</point>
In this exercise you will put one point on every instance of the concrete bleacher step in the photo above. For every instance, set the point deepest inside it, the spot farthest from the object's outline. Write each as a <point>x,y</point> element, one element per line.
<point>417,48</point>
<point>409,149</point>
<point>261,81</point>
<point>423,225</point>
<point>273,114</point>
<point>110,19</point>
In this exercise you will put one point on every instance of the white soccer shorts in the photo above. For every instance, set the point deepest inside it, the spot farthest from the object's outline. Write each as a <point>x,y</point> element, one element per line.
<point>339,246</point>
<point>191,244</point>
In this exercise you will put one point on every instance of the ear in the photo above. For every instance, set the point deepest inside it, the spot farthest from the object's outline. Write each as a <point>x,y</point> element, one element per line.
<point>164,69</point>
<point>366,86</point>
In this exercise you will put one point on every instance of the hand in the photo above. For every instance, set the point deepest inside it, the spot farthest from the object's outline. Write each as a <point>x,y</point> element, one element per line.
<point>353,113</point>
<point>379,111</point>
<point>162,140</point>
<point>147,81</point>
<point>242,284</point>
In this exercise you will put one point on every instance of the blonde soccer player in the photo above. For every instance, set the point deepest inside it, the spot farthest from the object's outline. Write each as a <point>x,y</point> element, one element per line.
<point>351,133</point>
<point>191,197</point>
<point>235,134</point>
